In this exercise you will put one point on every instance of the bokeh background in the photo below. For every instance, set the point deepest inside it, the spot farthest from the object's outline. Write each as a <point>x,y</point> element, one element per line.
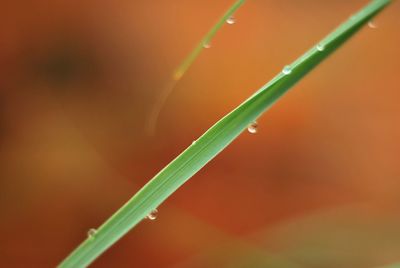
<point>317,186</point>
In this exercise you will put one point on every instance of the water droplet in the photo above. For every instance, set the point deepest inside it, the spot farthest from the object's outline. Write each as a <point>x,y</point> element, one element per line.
<point>320,47</point>
<point>152,215</point>
<point>372,25</point>
<point>91,233</point>
<point>287,69</point>
<point>206,45</point>
<point>177,75</point>
<point>231,20</point>
<point>253,127</point>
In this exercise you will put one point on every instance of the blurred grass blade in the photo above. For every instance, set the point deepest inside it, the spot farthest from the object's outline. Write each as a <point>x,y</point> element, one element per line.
<point>396,265</point>
<point>185,65</point>
<point>213,141</point>
<point>187,62</point>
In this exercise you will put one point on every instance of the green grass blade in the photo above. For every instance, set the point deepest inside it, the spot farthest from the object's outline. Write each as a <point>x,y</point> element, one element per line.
<point>185,65</point>
<point>187,62</point>
<point>395,265</point>
<point>174,175</point>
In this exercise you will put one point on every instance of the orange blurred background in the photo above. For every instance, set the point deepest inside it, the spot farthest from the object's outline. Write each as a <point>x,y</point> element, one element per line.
<point>317,186</point>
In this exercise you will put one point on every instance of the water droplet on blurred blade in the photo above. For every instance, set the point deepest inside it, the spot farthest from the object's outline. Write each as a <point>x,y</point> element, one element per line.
<point>91,233</point>
<point>206,45</point>
<point>253,127</point>
<point>372,25</point>
<point>320,47</point>
<point>287,69</point>
<point>152,215</point>
<point>177,75</point>
<point>231,20</point>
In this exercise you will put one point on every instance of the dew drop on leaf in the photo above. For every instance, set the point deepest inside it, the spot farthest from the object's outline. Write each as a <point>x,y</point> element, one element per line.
<point>320,47</point>
<point>91,233</point>
<point>206,45</point>
<point>372,25</point>
<point>231,20</point>
<point>253,127</point>
<point>287,69</point>
<point>152,215</point>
